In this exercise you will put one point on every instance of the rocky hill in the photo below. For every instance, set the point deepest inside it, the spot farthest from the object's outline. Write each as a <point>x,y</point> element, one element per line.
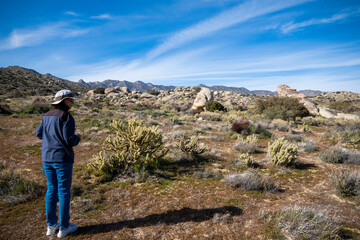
<point>16,81</point>
<point>132,86</point>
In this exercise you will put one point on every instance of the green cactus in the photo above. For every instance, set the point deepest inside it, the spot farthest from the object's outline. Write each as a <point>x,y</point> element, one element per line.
<point>247,160</point>
<point>282,154</point>
<point>134,145</point>
<point>190,146</point>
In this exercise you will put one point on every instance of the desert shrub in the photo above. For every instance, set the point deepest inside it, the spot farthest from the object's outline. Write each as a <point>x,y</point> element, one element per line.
<point>210,116</point>
<point>308,145</point>
<point>213,106</point>
<point>241,127</point>
<point>15,189</point>
<point>340,155</point>
<point>307,223</point>
<point>284,108</point>
<point>344,106</point>
<point>153,92</point>
<point>99,91</point>
<point>346,182</point>
<point>133,147</point>
<point>36,107</point>
<point>190,146</point>
<point>205,174</point>
<point>282,154</point>
<point>280,125</point>
<point>247,160</point>
<point>246,145</point>
<point>251,180</point>
<point>197,89</point>
<point>293,138</point>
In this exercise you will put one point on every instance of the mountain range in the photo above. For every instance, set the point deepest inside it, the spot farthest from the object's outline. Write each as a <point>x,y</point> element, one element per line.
<point>16,81</point>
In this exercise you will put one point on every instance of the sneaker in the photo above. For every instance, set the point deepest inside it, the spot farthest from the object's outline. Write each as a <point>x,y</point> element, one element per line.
<point>64,232</point>
<point>52,229</point>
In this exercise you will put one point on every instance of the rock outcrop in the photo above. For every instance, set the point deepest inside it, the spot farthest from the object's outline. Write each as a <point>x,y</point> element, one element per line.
<point>204,96</point>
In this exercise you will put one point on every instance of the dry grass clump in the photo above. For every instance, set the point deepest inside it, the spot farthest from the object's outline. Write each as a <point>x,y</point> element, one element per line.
<point>280,125</point>
<point>15,189</point>
<point>246,145</point>
<point>347,182</point>
<point>340,155</point>
<point>251,180</point>
<point>307,145</point>
<point>307,223</point>
<point>210,116</point>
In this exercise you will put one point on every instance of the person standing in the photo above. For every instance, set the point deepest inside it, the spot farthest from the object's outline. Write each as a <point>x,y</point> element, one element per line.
<point>57,131</point>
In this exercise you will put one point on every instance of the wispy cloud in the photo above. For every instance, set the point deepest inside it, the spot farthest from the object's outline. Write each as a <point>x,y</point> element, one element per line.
<point>102,16</point>
<point>225,19</point>
<point>291,26</point>
<point>30,37</point>
<point>71,13</point>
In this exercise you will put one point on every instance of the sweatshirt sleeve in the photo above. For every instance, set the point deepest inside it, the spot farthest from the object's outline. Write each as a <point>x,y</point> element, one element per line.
<point>69,132</point>
<point>39,130</point>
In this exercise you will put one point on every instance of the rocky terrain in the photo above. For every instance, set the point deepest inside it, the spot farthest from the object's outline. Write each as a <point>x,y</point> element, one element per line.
<point>228,188</point>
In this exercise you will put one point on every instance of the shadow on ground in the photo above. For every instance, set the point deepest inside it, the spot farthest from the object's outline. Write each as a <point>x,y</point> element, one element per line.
<point>169,218</point>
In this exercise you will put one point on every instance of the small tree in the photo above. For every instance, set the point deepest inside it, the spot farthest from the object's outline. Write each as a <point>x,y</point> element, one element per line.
<point>99,91</point>
<point>213,106</point>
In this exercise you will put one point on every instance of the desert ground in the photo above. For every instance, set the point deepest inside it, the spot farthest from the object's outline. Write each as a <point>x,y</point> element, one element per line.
<point>190,196</point>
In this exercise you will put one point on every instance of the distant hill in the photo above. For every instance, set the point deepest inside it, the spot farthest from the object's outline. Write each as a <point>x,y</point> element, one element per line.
<point>16,81</point>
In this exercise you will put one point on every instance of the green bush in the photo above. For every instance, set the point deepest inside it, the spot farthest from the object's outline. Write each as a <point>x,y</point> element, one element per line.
<point>36,107</point>
<point>344,106</point>
<point>284,108</point>
<point>134,147</point>
<point>213,106</point>
<point>99,91</point>
<point>282,154</point>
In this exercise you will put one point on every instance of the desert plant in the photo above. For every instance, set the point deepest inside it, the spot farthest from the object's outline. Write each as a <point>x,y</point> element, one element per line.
<point>38,106</point>
<point>5,109</point>
<point>15,189</point>
<point>213,106</point>
<point>284,108</point>
<point>340,155</point>
<point>307,223</point>
<point>346,182</point>
<point>134,146</point>
<point>99,91</point>
<point>153,92</point>
<point>308,145</point>
<point>247,160</point>
<point>241,127</point>
<point>210,116</point>
<point>251,180</point>
<point>282,154</point>
<point>280,125</point>
<point>246,145</point>
<point>190,146</point>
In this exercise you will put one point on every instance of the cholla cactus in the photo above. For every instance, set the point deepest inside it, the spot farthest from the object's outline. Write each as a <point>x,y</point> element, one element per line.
<point>190,146</point>
<point>247,160</point>
<point>249,139</point>
<point>282,154</point>
<point>133,145</point>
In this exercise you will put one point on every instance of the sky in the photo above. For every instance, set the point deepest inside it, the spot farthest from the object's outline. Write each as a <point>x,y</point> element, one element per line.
<point>256,44</point>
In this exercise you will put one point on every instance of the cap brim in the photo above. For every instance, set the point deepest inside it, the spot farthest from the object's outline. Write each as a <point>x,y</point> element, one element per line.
<point>59,101</point>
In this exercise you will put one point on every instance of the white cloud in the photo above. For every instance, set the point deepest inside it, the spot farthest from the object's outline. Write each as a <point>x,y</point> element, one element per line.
<point>225,19</point>
<point>71,13</point>
<point>30,37</point>
<point>291,26</point>
<point>102,16</point>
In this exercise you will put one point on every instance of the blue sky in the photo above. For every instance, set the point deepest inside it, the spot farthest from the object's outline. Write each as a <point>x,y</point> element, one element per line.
<point>256,44</point>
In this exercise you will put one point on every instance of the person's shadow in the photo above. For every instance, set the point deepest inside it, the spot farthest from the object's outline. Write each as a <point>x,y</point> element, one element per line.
<point>169,218</point>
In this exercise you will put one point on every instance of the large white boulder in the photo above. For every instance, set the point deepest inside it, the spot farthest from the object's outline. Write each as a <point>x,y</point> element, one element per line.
<point>204,96</point>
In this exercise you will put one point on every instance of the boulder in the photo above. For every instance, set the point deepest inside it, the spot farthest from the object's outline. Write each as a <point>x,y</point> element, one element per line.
<point>125,90</point>
<point>113,89</point>
<point>204,96</point>
<point>310,106</point>
<point>347,116</point>
<point>91,92</point>
<point>286,91</point>
<point>325,113</point>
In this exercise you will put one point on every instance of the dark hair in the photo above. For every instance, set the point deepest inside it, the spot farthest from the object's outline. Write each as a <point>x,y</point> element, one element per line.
<point>61,105</point>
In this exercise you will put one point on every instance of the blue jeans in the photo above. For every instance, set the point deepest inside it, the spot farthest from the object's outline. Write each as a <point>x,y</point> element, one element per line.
<point>59,178</point>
